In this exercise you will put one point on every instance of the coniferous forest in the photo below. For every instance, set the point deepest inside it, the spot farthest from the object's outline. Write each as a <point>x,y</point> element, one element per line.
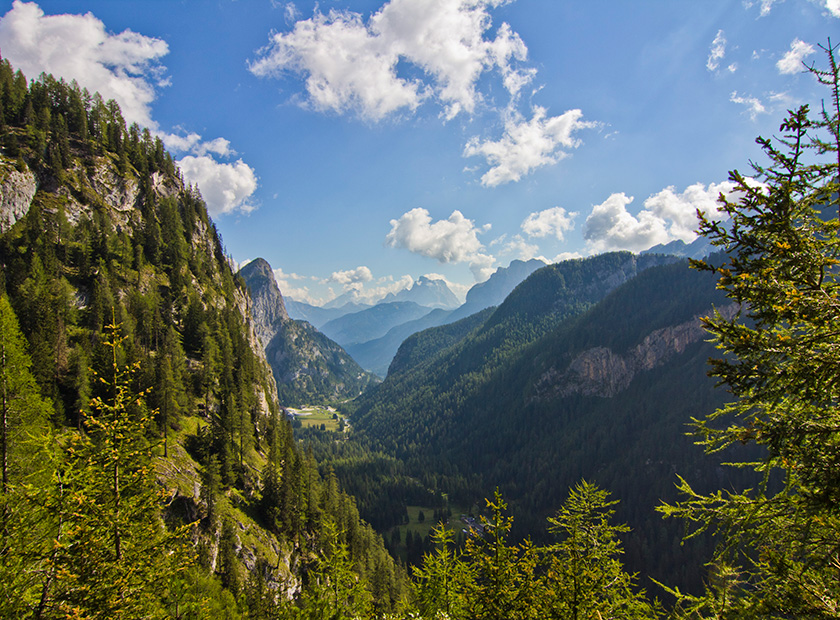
<point>551,443</point>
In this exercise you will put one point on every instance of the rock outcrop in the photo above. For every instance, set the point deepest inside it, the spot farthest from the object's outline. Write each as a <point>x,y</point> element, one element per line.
<point>307,366</point>
<point>600,371</point>
<point>17,189</point>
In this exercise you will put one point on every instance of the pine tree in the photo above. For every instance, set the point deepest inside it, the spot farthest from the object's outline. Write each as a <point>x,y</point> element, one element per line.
<point>585,575</point>
<point>444,580</point>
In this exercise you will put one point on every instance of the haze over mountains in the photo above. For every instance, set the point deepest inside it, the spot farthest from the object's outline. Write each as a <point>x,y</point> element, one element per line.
<point>371,334</point>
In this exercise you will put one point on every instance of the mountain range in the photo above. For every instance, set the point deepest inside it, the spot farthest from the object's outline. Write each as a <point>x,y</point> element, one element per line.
<point>589,369</point>
<point>372,334</point>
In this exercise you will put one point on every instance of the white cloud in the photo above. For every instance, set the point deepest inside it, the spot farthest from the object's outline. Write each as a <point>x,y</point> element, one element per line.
<point>566,256</point>
<point>518,247</point>
<point>352,276</point>
<point>753,105</point>
<point>385,286</point>
<point>679,210</point>
<point>351,65</point>
<point>290,287</point>
<point>791,62</point>
<point>765,5</point>
<point>193,143</point>
<point>833,7</point>
<point>527,145</point>
<point>123,66</point>
<point>717,51</point>
<point>225,187</point>
<point>454,240</point>
<point>611,227</point>
<point>554,222</point>
<point>666,216</point>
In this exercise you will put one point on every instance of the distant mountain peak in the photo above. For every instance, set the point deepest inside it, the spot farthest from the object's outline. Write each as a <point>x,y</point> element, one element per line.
<point>426,291</point>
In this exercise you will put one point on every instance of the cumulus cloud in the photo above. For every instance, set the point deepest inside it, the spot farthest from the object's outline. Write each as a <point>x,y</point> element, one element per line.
<point>123,66</point>
<point>453,240</point>
<point>226,187</point>
<point>350,64</point>
<point>527,144</point>
<point>352,276</point>
<point>716,52</point>
<point>518,247</point>
<point>666,216</point>
<point>791,62</point>
<point>565,256</point>
<point>554,222</point>
<point>193,143</point>
<point>833,7</point>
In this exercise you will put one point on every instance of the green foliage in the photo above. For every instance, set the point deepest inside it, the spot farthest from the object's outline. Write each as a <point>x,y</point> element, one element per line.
<point>585,573</point>
<point>433,436</point>
<point>83,514</point>
<point>25,468</point>
<point>778,549</point>
<point>114,556</point>
<point>580,576</point>
<point>335,591</point>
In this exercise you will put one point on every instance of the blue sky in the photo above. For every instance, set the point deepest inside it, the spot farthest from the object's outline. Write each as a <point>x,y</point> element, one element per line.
<point>357,145</point>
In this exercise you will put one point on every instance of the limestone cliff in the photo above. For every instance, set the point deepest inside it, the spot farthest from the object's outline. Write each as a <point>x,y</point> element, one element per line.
<point>17,189</point>
<point>599,371</point>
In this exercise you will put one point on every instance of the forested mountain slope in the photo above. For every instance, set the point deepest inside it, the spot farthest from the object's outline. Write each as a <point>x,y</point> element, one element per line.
<point>164,480</point>
<point>602,389</point>
<point>308,367</point>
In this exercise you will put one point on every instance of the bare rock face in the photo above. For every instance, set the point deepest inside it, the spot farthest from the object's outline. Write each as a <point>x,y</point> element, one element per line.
<point>601,372</point>
<point>268,309</point>
<point>17,189</point>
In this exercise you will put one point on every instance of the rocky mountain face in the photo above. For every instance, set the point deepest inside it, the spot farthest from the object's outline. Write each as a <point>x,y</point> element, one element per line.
<point>267,309</point>
<point>600,371</point>
<point>17,189</point>
<point>307,366</point>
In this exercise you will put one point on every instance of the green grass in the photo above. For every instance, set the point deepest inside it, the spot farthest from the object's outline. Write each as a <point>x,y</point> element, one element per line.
<point>316,416</point>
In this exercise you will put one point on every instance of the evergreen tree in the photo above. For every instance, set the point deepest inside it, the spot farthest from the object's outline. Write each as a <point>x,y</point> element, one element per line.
<point>444,580</point>
<point>335,591</point>
<point>779,550</point>
<point>115,557</point>
<point>25,528</point>
<point>585,575</point>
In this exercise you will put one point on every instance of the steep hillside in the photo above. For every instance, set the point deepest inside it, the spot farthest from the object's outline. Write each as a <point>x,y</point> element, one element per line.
<point>602,390</point>
<point>140,347</point>
<point>549,296</point>
<point>308,367</point>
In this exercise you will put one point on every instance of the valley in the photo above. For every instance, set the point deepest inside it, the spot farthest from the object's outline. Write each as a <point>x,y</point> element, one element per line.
<point>621,432</point>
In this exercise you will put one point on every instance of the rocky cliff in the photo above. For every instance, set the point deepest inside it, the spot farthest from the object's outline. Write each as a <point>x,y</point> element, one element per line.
<point>599,371</point>
<point>17,189</point>
<point>307,366</point>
